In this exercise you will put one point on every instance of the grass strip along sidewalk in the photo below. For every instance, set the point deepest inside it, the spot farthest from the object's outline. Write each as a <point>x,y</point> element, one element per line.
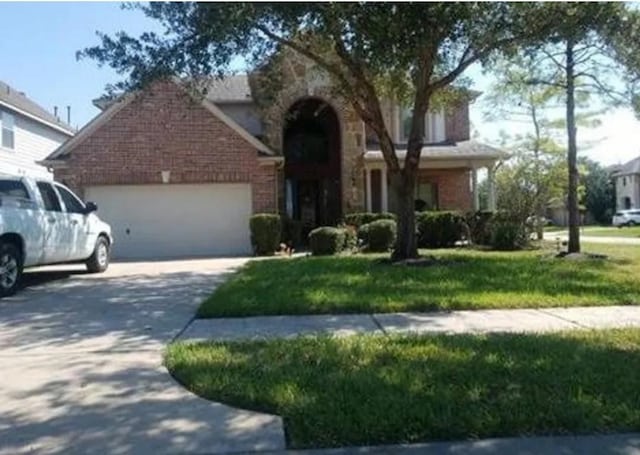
<point>364,390</point>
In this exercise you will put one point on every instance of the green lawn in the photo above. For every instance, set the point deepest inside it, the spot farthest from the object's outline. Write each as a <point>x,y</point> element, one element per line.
<point>375,390</point>
<point>554,228</point>
<point>467,279</point>
<point>632,232</point>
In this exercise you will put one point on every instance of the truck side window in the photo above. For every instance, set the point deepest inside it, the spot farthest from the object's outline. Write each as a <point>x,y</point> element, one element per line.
<point>14,189</point>
<point>71,203</point>
<point>49,197</point>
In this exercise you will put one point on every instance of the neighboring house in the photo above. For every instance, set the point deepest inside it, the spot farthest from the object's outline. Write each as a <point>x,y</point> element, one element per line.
<point>627,181</point>
<point>29,133</point>
<point>558,213</point>
<point>180,175</point>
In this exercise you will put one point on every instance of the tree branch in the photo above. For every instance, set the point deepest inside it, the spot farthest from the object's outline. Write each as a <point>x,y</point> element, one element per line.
<point>552,57</point>
<point>543,82</point>
<point>599,86</point>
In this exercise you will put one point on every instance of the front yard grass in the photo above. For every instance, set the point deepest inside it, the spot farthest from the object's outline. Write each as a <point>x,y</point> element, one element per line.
<point>466,279</point>
<point>611,231</point>
<point>365,390</point>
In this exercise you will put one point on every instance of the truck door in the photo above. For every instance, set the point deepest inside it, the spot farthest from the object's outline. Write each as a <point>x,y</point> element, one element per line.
<point>57,237</point>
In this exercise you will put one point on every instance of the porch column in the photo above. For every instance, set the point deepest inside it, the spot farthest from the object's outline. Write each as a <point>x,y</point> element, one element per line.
<point>491,180</point>
<point>474,189</point>
<point>384,193</point>
<point>367,173</point>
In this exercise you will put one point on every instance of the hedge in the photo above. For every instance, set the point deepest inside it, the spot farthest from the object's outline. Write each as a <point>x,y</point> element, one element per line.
<point>362,218</point>
<point>265,233</point>
<point>326,240</point>
<point>439,229</point>
<point>381,235</point>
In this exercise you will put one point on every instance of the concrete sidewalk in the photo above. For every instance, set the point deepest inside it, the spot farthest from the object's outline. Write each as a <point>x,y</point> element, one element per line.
<point>615,444</point>
<point>456,322</point>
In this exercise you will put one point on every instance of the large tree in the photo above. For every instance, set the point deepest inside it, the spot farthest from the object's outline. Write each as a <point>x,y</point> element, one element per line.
<point>583,54</point>
<point>539,150</point>
<point>411,52</point>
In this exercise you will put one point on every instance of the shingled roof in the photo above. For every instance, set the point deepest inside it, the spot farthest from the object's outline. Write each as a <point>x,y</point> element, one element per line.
<point>445,151</point>
<point>231,89</point>
<point>18,101</point>
<point>631,167</point>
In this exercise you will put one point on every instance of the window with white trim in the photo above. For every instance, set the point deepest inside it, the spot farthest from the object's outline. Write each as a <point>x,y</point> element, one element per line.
<point>7,125</point>
<point>434,126</point>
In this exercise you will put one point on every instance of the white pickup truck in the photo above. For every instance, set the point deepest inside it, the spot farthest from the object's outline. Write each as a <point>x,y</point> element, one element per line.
<point>43,222</point>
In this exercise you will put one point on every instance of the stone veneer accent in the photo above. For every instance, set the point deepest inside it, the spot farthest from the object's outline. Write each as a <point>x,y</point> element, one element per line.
<point>300,80</point>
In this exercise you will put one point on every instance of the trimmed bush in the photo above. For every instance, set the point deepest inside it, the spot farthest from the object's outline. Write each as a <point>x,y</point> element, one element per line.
<point>439,229</point>
<point>508,233</point>
<point>326,240</point>
<point>363,234</point>
<point>479,227</point>
<point>265,233</point>
<point>362,218</point>
<point>350,237</point>
<point>381,235</point>
<point>291,231</point>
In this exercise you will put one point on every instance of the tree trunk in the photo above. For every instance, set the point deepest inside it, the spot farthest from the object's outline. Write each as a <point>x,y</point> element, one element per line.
<point>403,194</point>
<point>539,202</point>
<point>574,214</point>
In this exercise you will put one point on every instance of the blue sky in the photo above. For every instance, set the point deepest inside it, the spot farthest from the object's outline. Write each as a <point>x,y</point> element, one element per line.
<point>38,42</point>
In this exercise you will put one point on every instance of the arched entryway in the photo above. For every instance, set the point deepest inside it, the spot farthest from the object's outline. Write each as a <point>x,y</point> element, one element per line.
<point>311,140</point>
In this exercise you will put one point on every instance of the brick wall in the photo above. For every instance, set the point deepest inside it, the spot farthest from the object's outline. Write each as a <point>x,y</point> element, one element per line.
<point>165,129</point>
<point>454,189</point>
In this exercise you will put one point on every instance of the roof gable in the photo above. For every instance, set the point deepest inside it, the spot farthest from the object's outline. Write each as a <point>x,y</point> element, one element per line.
<point>631,167</point>
<point>18,101</point>
<point>101,119</point>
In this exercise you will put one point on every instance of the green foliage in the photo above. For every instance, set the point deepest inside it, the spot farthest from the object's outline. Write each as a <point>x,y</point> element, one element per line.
<point>600,192</point>
<point>381,235</point>
<point>509,232</point>
<point>326,240</point>
<point>384,389</point>
<point>265,233</point>
<point>479,227</point>
<point>580,56</point>
<point>350,237</point>
<point>359,218</point>
<point>439,229</point>
<point>363,234</point>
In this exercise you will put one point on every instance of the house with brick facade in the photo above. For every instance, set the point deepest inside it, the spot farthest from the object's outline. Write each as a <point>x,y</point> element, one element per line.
<point>178,174</point>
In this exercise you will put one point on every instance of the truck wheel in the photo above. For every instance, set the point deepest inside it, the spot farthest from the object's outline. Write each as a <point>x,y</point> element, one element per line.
<point>99,260</point>
<point>10,269</point>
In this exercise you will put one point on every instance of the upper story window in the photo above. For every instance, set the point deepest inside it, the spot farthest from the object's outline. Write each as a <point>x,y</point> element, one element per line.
<point>434,126</point>
<point>7,124</point>
<point>624,181</point>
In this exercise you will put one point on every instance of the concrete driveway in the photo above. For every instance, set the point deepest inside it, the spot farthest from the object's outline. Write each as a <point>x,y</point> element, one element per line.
<point>81,372</point>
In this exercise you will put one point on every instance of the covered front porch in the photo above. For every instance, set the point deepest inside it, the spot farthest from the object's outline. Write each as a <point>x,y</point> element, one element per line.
<point>448,178</point>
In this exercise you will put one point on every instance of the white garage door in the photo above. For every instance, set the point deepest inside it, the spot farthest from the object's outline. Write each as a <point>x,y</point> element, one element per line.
<point>162,221</point>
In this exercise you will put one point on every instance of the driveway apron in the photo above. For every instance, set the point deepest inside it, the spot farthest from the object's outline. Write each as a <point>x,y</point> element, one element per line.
<point>81,365</point>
